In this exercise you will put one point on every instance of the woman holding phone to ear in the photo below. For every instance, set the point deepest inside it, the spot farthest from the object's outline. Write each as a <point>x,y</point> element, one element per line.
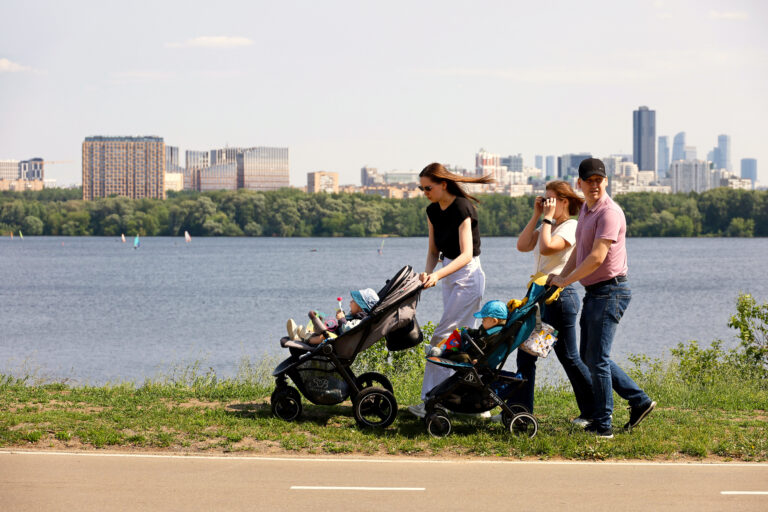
<point>454,240</point>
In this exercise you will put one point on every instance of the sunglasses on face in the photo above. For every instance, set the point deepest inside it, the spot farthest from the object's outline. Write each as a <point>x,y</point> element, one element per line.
<point>427,188</point>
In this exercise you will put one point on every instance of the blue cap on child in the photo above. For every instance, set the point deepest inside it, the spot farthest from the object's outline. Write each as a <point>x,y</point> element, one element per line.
<point>493,309</point>
<point>366,298</point>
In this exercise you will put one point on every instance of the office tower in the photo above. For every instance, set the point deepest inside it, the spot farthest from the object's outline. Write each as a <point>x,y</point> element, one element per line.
<point>690,176</point>
<point>172,159</point>
<point>749,170</point>
<point>9,170</point>
<point>539,162</point>
<point>513,163</point>
<point>225,155</point>
<point>550,166</point>
<point>723,152</point>
<point>662,164</point>
<point>644,138</point>
<point>263,168</point>
<point>689,153</point>
<point>369,177</point>
<point>125,166</point>
<point>568,165</point>
<point>222,176</point>
<point>678,147</point>
<point>322,181</point>
<point>612,165</point>
<point>194,162</point>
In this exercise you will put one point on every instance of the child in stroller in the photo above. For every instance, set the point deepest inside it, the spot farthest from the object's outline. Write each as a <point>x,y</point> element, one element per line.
<point>322,373</point>
<point>465,344</point>
<point>480,384</point>
<point>359,308</point>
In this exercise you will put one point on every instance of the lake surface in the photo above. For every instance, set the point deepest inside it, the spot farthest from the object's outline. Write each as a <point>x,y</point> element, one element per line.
<point>93,310</point>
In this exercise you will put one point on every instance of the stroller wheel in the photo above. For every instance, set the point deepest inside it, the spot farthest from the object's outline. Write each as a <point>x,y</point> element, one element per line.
<point>438,424</point>
<point>506,418</point>
<point>286,403</point>
<point>524,424</point>
<point>370,379</point>
<point>374,407</point>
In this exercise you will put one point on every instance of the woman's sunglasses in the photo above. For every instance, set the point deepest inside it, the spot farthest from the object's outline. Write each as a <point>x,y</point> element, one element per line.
<point>428,188</point>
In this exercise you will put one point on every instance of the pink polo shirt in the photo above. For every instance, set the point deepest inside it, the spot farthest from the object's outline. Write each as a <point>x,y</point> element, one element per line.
<point>604,221</point>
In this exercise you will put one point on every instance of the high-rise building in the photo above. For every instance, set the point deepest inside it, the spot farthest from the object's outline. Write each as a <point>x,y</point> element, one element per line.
<point>539,162</point>
<point>723,153</point>
<point>644,138</point>
<point>125,166</point>
<point>194,163</point>
<point>222,176</point>
<point>263,168</point>
<point>550,171</point>
<point>662,163</point>
<point>322,181</point>
<point>612,165</point>
<point>749,169</point>
<point>678,147</point>
<point>513,163</point>
<point>568,165</point>
<point>9,170</point>
<point>490,163</point>
<point>370,177</point>
<point>689,153</point>
<point>172,160</point>
<point>690,176</point>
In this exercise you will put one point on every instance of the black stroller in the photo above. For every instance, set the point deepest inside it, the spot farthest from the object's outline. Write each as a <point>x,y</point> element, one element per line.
<point>479,387</point>
<point>322,372</point>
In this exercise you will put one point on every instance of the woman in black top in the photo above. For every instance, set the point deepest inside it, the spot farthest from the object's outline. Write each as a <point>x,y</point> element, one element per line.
<point>454,239</point>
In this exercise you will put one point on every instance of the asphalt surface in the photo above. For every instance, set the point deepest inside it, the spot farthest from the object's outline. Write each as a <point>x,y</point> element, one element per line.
<point>42,481</point>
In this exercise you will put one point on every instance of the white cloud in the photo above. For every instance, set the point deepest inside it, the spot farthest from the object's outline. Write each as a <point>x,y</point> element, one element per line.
<point>212,42</point>
<point>728,15</point>
<point>7,66</point>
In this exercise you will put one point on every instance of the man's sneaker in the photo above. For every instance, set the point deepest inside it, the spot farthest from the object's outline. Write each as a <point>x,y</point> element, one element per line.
<point>638,414</point>
<point>604,433</point>
<point>418,410</point>
<point>581,422</point>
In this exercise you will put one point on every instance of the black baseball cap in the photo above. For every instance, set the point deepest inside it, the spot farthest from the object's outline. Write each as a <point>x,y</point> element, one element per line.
<point>590,167</point>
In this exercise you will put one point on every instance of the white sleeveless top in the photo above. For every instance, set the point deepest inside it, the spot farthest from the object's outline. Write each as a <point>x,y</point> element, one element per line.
<point>554,263</point>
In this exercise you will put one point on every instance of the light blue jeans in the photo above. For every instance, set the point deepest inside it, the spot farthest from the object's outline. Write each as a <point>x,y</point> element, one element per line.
<point>602,311</point>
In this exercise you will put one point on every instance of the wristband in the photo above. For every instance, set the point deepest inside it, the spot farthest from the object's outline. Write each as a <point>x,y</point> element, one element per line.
<point>548,221</point>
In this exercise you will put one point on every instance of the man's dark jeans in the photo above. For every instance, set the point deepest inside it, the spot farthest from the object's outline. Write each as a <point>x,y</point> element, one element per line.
<point>602,311</point>
<point>561,315</point>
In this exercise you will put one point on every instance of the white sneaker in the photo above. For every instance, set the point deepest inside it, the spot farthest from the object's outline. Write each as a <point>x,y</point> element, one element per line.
<point>418,410</point>
<point>580,422</point>
<point>290,326</point>
<point>301,332</point>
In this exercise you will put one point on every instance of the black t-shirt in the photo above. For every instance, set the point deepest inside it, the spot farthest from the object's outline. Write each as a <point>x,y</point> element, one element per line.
<point>446,226</point>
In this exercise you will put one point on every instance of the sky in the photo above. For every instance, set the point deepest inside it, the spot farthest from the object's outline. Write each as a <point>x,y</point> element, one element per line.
<point>393,85</point>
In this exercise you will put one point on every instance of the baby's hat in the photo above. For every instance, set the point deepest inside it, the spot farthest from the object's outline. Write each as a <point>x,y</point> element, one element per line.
<point>366,298</point>
<point>493,309</point>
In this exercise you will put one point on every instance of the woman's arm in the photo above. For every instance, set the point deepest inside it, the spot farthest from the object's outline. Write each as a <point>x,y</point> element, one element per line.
<point>432,252</point>
<point>465,245</point>
<point>549,244</point>
<point>527,238</point>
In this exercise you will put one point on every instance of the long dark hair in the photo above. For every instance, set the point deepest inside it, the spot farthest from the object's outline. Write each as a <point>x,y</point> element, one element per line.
<point>439,174</point>
<point>563,190</point>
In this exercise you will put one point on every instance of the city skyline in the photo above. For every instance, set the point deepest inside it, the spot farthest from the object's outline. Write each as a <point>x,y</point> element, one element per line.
<point>395,87</point>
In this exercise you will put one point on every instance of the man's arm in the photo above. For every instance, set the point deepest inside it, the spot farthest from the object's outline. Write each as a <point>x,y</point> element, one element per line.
<point>592,262</point>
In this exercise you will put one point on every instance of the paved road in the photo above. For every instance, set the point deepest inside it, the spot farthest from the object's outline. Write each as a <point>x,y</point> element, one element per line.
<point>41,481</point>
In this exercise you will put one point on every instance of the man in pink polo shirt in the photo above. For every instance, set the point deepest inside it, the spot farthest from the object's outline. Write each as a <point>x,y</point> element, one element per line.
<point>599,263</point>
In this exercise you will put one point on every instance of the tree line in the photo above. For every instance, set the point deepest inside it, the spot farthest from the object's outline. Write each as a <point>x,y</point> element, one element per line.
<point>292,213</point>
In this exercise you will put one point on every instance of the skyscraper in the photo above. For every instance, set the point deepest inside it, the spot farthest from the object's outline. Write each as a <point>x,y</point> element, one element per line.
<point>124,166</point>
<point>689,153</point>
<point>644,138</point>
<point>723,153</point>
<point>538,162</point>
<point>690,176</point>
<point>678,147</point>
<point>513,163</point>
<point>550,171</point>
<point>663,159</point>
<point>568,165</point>
<point>172,159</point>
<point>262,168</point>
<point>749,170</point>
<point>194,163</point>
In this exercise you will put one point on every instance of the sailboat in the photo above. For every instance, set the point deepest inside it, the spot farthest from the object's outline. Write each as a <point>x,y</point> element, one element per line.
<point>21,235</point>
<point>122,237</point>
<point>381,247</point>
<point>187,238</point>
<point>11,235</point>
<point>136,242</point>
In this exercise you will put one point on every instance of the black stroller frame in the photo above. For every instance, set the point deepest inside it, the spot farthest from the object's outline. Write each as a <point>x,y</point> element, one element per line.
<point>372,393</point>
<point>473,385</point>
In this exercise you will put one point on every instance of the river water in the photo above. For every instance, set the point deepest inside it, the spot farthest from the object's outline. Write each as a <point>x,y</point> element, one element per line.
<point>94,310</point>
